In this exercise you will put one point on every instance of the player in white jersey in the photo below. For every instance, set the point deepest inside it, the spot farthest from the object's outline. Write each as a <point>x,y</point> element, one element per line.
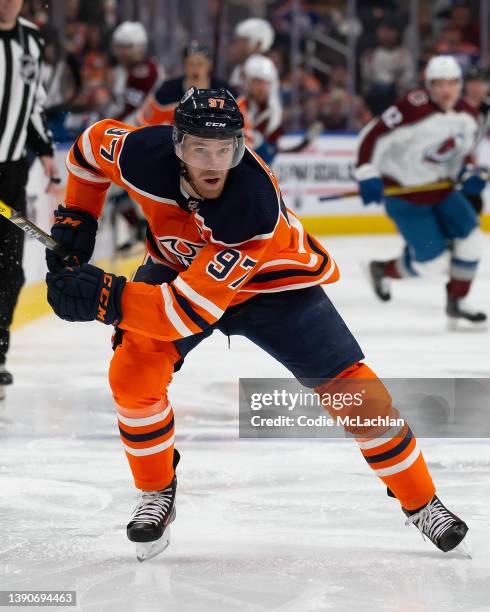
<point>427,138</point>
<point>261,91</point>
<point>252,36</point>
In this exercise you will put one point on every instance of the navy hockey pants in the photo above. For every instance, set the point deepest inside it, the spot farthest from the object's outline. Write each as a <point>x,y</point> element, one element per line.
<point>301,329</point>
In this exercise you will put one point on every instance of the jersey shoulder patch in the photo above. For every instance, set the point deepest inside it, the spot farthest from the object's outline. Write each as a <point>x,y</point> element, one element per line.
<point>248,208</point>
<point>148,162</point>
<point>170,92</point>
<point>418,97</point>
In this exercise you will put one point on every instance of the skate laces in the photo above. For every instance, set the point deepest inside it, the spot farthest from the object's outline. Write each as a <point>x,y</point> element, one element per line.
<point>152,506</point>
<point>432,521</point>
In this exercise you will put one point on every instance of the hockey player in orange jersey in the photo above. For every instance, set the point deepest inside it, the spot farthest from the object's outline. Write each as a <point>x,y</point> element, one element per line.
<point>223,253</point>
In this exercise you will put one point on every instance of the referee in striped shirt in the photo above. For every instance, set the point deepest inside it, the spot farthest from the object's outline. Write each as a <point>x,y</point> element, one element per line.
<point>21,125</point>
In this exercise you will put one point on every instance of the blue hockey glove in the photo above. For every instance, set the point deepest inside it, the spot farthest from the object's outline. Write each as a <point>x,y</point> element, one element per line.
<point>473,179</point>
<point>371,191</point>
<point>75,230</point>
<point>86,293</point>
<point>370,184</point>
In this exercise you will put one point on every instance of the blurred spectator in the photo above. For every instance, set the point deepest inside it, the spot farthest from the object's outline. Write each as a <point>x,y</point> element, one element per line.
<point>61,74</point>
<point>338,77</point>
<point>309,87</point>
<point>95,71</point>
<point>341,111</point>
<point>460,17</point>
<point>477,86</point>
<point>451,43</point>
<point>387,70</point>
<point>198,68</point>
<point>373,13</point>
<point>36,11</point>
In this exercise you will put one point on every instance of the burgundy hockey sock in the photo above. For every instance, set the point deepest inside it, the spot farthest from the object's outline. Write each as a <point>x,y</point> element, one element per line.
<point>458,289</point>
<point>391,269</point>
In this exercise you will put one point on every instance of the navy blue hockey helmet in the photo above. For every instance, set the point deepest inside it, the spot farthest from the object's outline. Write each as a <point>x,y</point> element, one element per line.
<point>208,115</point>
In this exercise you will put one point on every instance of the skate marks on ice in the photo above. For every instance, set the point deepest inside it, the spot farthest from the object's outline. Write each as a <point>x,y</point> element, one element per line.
<point>254,532</point>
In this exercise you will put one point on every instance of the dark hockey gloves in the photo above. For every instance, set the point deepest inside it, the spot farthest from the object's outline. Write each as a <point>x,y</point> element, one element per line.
<point>86,293</point>
<point>473,179</point>
<point>75,230</point>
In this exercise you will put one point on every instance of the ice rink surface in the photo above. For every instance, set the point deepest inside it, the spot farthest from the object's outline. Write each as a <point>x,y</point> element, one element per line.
<point>283,525</point>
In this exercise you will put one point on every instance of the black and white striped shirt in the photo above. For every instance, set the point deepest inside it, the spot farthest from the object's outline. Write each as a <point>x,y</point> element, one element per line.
<point>21,93</point>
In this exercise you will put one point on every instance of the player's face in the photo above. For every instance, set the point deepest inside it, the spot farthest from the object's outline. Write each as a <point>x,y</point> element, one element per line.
<point>127,55</point>
<point>446,92</point>
<point>477,90</point>
<point>9,10</point>
<point>259,90</point>
<point>197,67</point>
<point>208,162</point>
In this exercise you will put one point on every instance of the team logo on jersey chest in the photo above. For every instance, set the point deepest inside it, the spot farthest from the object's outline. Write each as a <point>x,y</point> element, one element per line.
<point>184,250</point>
<point>444,151</point>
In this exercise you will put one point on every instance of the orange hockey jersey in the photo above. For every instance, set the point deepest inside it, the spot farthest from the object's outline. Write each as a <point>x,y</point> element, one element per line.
<point>226,250</point>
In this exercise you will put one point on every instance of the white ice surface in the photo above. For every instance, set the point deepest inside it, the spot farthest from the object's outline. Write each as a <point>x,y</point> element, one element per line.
<point>283,525</point>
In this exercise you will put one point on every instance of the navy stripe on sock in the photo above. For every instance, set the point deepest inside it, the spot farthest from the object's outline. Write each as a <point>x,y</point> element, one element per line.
<point>396,450</point>
<point>147,436</point>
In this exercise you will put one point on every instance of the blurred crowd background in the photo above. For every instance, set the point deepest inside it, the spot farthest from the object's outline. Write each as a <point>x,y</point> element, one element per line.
<point>339,61</point>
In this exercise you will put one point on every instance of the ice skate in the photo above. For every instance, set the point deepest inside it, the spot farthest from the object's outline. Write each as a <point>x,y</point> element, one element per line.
<point>459,316</point>
<point>379,282</point>
<point>150,522</point>
<point>6,379</point>
<point>149,526</point>
<point>436,522</point>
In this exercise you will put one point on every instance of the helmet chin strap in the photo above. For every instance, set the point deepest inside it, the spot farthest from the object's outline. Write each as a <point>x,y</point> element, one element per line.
<point>184,173</point>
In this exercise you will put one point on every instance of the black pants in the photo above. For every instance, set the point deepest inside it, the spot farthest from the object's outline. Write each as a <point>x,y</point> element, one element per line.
<point>13,180</point>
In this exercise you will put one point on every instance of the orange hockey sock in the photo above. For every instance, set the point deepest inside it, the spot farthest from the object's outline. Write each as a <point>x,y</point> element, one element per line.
<point>392,452</point>
<point>147,436</point>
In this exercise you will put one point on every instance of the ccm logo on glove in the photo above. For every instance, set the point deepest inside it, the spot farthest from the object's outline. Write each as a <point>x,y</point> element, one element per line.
<point>104,297</point>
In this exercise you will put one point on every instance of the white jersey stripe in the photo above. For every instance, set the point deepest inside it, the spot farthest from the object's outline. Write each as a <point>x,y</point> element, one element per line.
<point>84,174</point>
<point>198,299</point>
<point>87,148</point>
<point>172,315</point>
<point>294,286</point>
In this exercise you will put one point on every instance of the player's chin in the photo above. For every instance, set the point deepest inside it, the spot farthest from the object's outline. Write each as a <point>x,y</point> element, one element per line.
<point>212,187</point>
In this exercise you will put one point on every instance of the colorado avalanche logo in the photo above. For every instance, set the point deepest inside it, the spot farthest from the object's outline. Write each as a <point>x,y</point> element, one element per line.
<point>183,250</point>
<point>444,151</point>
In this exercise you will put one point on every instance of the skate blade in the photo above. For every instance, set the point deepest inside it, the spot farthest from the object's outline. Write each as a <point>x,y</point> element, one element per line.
<point>463,549</point>
<point>386,286</point>
<point>148,550</point>
<point>463,325</point>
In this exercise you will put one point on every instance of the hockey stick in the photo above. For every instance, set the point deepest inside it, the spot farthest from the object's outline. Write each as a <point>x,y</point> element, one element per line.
<point>313,131</point>
<point>394,191</point>
<point>33,230</point>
